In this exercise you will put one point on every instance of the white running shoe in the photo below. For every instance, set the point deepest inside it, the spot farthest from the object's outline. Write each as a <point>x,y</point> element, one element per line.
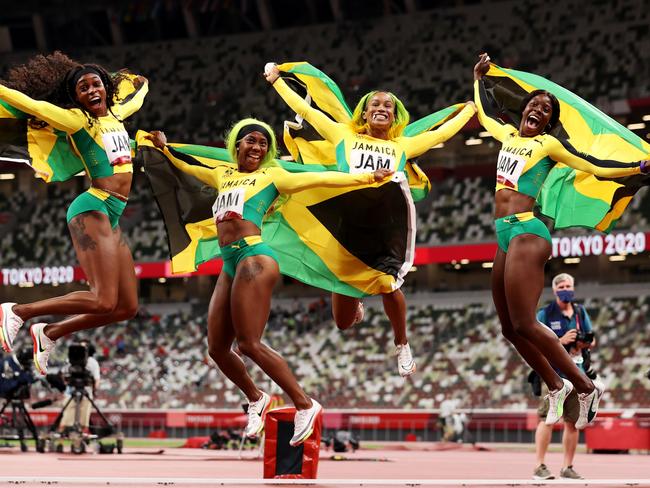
<point>361,312</point>
<point>11,324</point>
<point>256,415</point>
<point>405,364</point>
<point>43,346</point>
<point>303,423</point>
<point>589,405</point>
<point>556,400</point>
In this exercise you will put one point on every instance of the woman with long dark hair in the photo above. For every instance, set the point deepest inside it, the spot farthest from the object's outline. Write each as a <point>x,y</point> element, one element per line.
<point>81,99</point>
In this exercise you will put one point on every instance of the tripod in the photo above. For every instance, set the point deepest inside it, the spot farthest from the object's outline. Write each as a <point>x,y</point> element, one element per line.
<point>20,419</point>
<point>76,432</point>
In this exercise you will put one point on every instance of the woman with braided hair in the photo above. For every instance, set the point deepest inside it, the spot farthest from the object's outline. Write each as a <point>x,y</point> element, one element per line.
<point>82,101</point>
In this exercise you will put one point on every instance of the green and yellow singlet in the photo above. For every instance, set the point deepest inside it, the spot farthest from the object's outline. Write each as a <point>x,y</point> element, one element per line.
<point>525,162</point>
<point>361,153</point>
<point>248,196</point>
<point>102,143</point>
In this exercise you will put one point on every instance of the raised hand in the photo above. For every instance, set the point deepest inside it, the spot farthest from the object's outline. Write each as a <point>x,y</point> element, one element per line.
<point>482,66</point>
<point>158,138</point>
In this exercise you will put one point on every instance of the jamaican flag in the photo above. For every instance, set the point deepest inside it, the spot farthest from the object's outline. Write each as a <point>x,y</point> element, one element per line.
<point>356,241</point>
<point>25,139</point>
<point>307,146</point>
<point>572,197</point>
<point>29,141</point>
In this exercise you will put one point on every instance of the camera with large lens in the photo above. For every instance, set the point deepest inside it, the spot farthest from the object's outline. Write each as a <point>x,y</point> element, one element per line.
<point>77,375</point>
<point>586,337</point>
<point>24,376</point>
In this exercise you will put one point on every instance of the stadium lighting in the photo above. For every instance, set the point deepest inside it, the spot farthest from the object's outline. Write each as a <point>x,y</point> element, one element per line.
<point>7,176</point>
<point>571,260</point>
<point>487,265</point>
<point>637,126</point>
<point>617,257</point>
<point>162,280</point>
<point>464,261</point>
<point>473,142</point>
<point>484,133</point>
<point>646,118</point>
<point>26,284</point>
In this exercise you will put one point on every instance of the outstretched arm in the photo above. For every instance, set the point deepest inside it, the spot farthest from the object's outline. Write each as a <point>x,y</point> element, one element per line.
<point>63,119</point>
<point>287,182</point>
<point>184,162</point>
<point>421,143</point>
<point>487,113</point>
<point>326,127</point>
<point>562,151</point>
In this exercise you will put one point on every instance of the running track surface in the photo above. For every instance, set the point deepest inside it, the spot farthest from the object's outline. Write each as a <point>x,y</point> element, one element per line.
<point>139,468</point>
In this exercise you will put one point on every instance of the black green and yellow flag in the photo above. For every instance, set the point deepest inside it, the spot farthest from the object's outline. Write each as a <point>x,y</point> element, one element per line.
<point>26,140</point>
<point>307,146</point>
<point>45,149</point>
<point>348,241</point>
<point>571,197</point>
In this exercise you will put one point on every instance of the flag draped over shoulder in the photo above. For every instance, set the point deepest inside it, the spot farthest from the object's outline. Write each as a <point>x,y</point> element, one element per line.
<point>345,240</point>
<point>307,146</point>
<point>24,139</point>
<point>572,197</point>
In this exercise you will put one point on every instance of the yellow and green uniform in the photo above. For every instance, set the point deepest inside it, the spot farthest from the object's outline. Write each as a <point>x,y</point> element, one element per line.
<point>361,153</point>
<point>102,143</point>
<point>248,196</point>
<point>525,162</point>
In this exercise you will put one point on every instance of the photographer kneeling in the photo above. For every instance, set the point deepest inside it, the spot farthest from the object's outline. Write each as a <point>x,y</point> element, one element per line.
<point>80,374</point>
<point>571,323</point>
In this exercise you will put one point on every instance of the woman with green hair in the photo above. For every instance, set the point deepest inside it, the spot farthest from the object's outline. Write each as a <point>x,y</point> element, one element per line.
<point>240,305</point>
<point>373,139</point>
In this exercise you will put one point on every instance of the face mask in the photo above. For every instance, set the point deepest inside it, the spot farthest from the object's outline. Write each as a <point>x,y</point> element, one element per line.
<point>565,296</point>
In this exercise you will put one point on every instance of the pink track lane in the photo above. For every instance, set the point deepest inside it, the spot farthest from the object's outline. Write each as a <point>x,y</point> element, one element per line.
<point>364,464</point>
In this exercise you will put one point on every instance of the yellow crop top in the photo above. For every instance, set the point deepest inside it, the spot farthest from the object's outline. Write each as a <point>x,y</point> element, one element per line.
<point>361,153</point>
<point>525,162</point>
<point>248,196</point>
<point>102,143</point>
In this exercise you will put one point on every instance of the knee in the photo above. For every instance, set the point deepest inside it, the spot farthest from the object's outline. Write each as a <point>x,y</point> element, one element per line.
<point>510,334</point>
<point>105,305</point>
<point>126,312</point>
<point>343,321</point>
<point>250,348</point>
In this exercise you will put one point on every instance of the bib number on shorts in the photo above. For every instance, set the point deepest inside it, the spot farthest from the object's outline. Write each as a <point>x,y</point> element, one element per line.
<point>363,161</point>
<point>509,169</point>
<point>229,205</point>
<point>117,147</point>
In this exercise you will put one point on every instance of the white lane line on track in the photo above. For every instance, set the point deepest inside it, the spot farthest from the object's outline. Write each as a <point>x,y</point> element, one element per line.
<point>320,482</point>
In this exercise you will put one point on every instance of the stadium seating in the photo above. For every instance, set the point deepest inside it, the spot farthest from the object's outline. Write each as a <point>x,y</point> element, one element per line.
<point>457,211</point>
<point>161,361</point>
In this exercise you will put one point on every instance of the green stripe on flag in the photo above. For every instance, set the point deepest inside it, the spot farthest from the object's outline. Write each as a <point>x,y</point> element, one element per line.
<point>430,121</point>
<point>309,70</point>
<point>597,121</point>
<point>294,257</point>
